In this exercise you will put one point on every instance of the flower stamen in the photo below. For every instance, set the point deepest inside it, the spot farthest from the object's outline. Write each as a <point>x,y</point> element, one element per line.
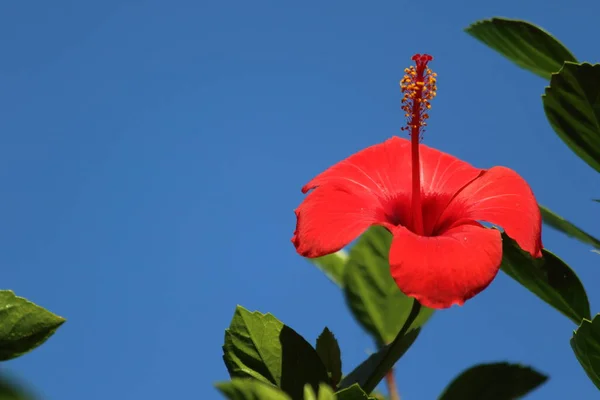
<point>419,87</point>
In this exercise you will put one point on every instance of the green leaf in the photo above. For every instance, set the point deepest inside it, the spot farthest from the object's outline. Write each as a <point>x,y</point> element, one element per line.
<point>333,265</point>
<point>309,393</point>
<point>12,390</point>
<point>586,345</point>
<point>353,392</point>
<point>549,278</point>
<point>572,105</point>
<point>525,44</point>
<point>366,370</point>
<point>371,293</point>
<point>564,226</point>
<point>325,393</point>
<point>497,381</point>
<point>23,325</point>
<point>329,352</point>
<point>250,389</point>
<point>259,346</point>
<point>394,351</point>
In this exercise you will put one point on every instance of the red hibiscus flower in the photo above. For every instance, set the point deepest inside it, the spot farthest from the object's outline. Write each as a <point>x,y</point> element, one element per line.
<point>430,201</point>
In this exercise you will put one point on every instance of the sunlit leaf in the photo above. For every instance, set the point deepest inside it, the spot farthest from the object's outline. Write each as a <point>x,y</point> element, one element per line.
<point>325,393</point>
<point>259,346</point>
<point>353,392</point>
<point>23,325</point>
<point>249,389</point>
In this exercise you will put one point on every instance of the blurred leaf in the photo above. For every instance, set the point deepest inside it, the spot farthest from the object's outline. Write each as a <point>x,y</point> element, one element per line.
<point>353,392</point>
<point>572,105</point>
<point>525,44</point>
<point>309,393</point>
<point>23,325</point>
<point>586,345</point>
<point>333,265</point>
<point>325,393</point>
<point>11,389</point>
<point>498,381</point>
<point>549,278</point>
<point>366,369</point>
<point>329,352</point>
<point>564,226</point>
<point>371,293</point>
<point>261,347</point>
<point>250,389</point>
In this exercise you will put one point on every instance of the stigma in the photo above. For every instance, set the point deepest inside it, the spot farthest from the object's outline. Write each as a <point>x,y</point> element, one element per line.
<point>418,88</point>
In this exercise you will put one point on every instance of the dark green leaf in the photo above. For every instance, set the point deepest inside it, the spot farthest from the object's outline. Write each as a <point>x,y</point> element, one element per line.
<point>564,226</point>
<point>525,44</point>
<point>13,390</point>
<point>586,345</point>
<point>250,389</point>
<point>498,381</point>
<point>549,278</point>
<point>329,352</point>
<point>23,325</point>
<point>364,371</point>
<point>572,105</point>
<point>353,392</point>
<point>371,293</point>
<point>261,347</point>
<point>333,265</point>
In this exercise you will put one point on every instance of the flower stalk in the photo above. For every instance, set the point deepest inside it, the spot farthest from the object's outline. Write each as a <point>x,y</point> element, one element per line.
<point>419,87</point>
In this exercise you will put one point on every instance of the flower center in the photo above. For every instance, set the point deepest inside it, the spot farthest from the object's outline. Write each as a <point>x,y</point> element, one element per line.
<point>418,87</point>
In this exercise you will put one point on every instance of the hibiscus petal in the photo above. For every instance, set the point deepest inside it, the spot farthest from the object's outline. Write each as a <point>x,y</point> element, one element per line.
<point>440,271</point>
<point>501,197</point>
<point>384,171</point>
<point>331,217</point>
<point>442,176</point>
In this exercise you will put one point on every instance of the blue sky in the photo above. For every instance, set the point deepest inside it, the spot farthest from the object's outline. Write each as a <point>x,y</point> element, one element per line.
<point>152,153</point>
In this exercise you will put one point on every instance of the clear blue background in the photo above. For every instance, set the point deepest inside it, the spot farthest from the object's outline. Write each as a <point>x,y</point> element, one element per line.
<point>152,153</point>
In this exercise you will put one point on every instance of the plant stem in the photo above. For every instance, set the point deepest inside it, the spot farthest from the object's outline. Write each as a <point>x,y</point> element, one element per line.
<point>388,360</point>
<point>391,384</point>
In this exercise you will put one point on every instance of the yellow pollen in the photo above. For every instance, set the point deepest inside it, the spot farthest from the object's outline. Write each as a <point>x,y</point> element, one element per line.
<point>418,87</point>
